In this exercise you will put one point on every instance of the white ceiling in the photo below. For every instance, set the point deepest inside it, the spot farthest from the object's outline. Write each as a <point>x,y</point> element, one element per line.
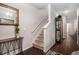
<point>39,5</point>
<point>60,8</point>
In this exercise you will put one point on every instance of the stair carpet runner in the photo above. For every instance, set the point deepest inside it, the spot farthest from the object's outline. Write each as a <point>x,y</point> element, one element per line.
<point>39,42</point>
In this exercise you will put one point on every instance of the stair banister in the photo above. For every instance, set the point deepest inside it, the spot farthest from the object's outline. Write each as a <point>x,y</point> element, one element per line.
<point>45,26</point>
<point>45,18</point>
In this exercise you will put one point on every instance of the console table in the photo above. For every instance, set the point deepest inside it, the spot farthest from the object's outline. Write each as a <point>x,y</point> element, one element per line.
<point>11,46</point>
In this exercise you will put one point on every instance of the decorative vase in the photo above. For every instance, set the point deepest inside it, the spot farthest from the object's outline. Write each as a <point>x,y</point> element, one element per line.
<point>17,35</point>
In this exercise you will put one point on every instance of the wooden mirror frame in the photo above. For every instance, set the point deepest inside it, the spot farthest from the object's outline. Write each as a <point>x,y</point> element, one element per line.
<point>12,8</point>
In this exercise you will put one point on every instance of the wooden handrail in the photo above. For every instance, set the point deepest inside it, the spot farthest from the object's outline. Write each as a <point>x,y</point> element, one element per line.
<point>40,24</point>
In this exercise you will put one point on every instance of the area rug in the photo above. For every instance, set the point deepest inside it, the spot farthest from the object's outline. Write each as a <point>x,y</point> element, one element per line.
<point>75,53</point>
<point>53,53</point>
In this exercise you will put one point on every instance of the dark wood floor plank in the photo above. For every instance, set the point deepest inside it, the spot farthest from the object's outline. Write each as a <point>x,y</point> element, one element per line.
<point>67,46</point>
<point>32,51</point>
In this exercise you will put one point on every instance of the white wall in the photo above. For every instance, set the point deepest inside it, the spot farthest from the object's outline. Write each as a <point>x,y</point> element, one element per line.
<point>78,26</point>
<point>29,18</point>
<point>75,25</point>
<point>49,32</point>
<point>64,27</point>
<point>72,27</point>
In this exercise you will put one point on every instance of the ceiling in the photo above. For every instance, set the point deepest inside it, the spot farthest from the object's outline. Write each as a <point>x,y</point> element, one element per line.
<point>39,5</point>
<point>67,9</point>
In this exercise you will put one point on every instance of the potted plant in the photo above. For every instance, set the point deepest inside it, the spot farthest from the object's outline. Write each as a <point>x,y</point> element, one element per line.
<point>17,31</point>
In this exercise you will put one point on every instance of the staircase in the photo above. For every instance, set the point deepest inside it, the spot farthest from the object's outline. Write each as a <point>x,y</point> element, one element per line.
<point>39,36</point>
<point>39,42</point>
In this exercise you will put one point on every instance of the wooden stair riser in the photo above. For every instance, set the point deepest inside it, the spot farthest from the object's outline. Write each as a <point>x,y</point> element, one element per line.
<point>38,46</point>
<point>39,42</point>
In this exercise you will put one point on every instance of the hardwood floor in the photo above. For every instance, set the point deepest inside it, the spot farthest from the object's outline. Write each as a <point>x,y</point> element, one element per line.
<point>67,46</point>
<point>32,51</point>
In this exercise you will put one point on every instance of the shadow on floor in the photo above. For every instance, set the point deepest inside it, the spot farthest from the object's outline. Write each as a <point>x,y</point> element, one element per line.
<point>32,51</point>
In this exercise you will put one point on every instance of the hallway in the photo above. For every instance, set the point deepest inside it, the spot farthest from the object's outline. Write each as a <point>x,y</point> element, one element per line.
<point>67,46</point>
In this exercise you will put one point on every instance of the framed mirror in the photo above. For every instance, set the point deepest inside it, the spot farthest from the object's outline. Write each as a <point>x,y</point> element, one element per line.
<point>8,15</point>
